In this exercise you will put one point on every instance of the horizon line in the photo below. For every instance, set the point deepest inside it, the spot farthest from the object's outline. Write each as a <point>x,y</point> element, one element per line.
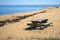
<point>45,4</point>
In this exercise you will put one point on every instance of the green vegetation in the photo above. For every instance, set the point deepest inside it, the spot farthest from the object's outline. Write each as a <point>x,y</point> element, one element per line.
<point>42,39</point>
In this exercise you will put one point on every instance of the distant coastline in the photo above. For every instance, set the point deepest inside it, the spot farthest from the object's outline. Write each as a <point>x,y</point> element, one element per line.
<point>11,9</point>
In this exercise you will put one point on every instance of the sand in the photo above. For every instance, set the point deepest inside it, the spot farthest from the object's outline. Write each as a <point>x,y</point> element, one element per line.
<point>15,31</point>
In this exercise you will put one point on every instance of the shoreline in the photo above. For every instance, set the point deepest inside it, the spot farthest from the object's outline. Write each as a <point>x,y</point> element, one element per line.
<point>28,12</point>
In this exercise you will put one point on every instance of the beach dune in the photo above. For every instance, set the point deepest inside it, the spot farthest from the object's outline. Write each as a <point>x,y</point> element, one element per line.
<point>16,30</point>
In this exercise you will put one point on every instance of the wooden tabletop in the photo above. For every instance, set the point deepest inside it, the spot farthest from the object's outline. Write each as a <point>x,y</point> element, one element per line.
<point>40,20</point>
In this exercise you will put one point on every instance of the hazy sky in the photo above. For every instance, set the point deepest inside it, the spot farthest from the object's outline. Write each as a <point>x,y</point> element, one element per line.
<point>29,2</point>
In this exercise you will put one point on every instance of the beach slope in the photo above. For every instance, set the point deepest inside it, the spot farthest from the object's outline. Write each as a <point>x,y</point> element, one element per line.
<point>15,29</point>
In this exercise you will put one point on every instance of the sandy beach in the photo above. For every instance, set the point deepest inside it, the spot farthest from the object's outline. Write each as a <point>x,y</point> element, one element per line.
<point>16,30</point>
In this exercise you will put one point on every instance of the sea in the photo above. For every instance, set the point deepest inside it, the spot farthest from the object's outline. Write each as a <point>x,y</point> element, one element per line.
<point>11,9</point>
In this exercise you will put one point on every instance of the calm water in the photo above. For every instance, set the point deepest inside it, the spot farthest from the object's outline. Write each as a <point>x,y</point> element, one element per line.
<point>9,9</point>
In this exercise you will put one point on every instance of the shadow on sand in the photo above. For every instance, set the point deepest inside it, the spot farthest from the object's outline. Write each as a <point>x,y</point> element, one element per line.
<point>36,28</point>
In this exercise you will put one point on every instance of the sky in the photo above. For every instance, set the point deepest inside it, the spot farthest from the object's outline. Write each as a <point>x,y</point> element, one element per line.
<point>29,2</point>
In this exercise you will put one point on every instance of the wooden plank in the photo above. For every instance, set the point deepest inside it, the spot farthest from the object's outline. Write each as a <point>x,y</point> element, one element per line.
<point>46,24</point>
<point>42,20</point>
<point>29,24</point>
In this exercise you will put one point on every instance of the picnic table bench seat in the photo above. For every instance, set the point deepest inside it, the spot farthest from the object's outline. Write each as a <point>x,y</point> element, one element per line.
<point>29,24</point>
<point>46,24</point>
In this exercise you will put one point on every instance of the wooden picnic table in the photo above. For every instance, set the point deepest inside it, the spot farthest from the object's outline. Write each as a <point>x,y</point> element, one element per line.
<point>39,23</point>
<point>36,23</point>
